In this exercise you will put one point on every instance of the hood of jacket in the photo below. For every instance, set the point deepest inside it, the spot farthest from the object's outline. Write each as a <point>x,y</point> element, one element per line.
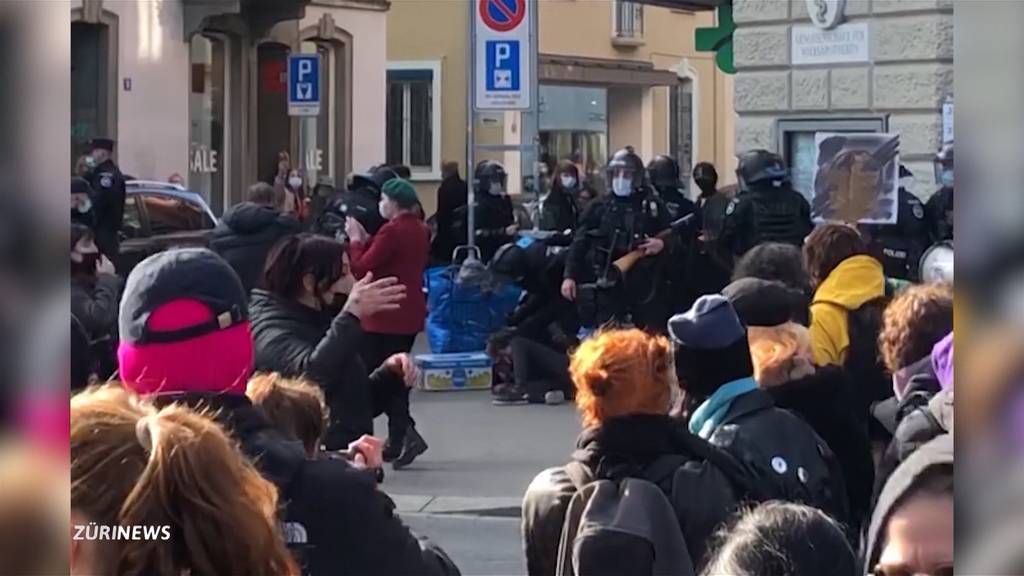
<point>633,440</point>
<point>935,454</point>
<point>856,280</point>
<point>252,218</point>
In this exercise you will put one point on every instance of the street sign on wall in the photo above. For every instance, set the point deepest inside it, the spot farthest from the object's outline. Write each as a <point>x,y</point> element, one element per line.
<point>303,84</point>
<point>503,54</point>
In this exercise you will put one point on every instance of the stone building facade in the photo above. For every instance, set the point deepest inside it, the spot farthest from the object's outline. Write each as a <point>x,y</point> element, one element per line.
<point>899,88</point>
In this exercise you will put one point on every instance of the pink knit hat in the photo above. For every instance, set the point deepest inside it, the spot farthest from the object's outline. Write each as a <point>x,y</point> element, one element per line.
<point>184,326</point>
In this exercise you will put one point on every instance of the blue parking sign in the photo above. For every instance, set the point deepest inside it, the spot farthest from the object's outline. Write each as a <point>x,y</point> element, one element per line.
<point>502,67</point>
<point>303,84</point>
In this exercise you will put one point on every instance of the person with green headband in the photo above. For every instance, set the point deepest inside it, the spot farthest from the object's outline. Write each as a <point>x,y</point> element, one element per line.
<point>399,249</point>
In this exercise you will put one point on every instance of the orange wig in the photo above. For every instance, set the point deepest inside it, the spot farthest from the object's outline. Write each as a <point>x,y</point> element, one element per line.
<point>622,372</point>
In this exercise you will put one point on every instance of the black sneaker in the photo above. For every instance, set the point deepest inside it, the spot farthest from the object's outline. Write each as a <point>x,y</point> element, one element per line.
<point>392,450</point>
<point>509,395</point>
<point>413,447</point>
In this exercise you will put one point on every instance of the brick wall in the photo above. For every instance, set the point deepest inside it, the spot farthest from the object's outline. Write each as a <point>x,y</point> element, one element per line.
<point>909,74</point>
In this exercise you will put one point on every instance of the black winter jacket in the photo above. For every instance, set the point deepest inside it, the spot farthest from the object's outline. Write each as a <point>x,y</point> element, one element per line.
<point>336,521</point>
<point>296,340</point>
<point>825,400</point>
<point>792,462</point>
<point>94,302</point>
<point>245,236</point>
<point>701,494</point>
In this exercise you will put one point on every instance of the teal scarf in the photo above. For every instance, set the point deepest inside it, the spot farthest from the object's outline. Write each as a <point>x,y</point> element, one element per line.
<point>710,413</point>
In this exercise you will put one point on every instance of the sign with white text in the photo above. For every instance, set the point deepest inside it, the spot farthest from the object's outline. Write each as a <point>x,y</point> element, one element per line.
<point>844,43</point>
<point>503,53</point>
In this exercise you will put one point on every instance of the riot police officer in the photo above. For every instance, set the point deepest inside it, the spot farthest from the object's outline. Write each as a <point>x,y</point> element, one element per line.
<point>767,209</point>
<point>360,200</point>
<point>663,173</point>
<point>495,219</point>
<point>629,219</point>
<point>939,210</point>
<point>901,245</point>
<point>108,186</point>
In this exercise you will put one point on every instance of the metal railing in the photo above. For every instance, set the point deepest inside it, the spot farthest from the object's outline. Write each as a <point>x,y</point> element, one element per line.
<point>629,19</point>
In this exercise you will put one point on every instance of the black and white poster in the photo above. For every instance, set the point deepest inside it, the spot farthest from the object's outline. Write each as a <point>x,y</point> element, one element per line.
<point>857,177</point>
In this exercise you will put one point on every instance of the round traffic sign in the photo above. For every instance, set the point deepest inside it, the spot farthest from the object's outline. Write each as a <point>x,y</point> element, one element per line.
<point>502,15</point>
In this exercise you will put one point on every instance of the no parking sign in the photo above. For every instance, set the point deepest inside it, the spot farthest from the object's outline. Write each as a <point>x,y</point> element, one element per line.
<point>503,54</point>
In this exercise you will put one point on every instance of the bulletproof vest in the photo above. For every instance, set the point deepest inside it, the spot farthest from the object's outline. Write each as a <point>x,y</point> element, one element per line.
<point>775,214</point>
<point>676,202</point>
<point>899,246</point>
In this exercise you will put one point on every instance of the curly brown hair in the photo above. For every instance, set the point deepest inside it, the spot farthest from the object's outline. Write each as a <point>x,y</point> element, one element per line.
<point>828,246</point>
<point>914,322</point>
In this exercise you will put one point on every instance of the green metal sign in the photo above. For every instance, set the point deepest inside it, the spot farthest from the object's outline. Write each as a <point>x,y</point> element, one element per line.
<point>719,39</point>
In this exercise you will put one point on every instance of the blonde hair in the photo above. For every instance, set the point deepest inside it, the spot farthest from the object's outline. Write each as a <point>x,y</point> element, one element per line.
<point>132,465</point>
<point>622,372</point>
<point>295,406</point>
<point>780,353</point>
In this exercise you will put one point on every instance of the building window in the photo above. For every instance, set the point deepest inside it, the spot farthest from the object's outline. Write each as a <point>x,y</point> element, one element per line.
<point>414,117</point>
<point>574,126</point>
<point>681,126</point>
<point>91,83</point>
<point>629,19</point>
<point>208,56</point>
<point>274,125</point>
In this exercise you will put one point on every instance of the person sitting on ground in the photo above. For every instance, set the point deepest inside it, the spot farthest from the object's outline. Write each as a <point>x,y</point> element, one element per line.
<point>783,539</point>
<point>725,406</point>
<point>846,310</point>
<point>624,391</point>
<point>400,249</point>
<point>175,476</point>
<point>186,337</point>
<point>784,366</point>
<point>248,231</point>
<point>300,328</point>
<point>95,294</point>
<point>912,527</point>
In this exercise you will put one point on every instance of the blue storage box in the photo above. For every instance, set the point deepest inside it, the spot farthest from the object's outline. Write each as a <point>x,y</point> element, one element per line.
<point>463,371</point>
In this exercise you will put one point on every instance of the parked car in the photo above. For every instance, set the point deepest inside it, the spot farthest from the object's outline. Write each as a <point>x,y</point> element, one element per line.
<point>158,216</point>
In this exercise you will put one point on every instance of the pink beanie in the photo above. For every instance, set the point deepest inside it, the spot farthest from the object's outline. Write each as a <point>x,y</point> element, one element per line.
<point>216,362</point>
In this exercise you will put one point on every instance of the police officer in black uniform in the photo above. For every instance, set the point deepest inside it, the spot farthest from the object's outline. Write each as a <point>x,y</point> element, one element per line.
<point>939,210</point>
<point>710,263</point>
<point>901,245</point>
<point>108,186</point>
<point>495,219</point>
<point>360,200</point>
<point>663,173</point>
<point>628,219</point>
<point>767,209</point>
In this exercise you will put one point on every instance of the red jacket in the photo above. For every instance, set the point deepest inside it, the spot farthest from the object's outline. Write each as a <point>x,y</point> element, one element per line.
<point>400,249</point>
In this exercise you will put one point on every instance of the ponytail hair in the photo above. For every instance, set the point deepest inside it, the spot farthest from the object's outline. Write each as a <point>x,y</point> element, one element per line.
<point>176,473</point>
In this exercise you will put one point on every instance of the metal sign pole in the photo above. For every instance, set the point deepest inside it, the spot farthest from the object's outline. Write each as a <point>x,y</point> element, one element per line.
<point>535,96</point>
<point>470,118</point>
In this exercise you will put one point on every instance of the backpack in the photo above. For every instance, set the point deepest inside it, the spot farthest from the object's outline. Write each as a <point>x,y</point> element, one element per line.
<point>863,362</point>
<point>623,522</point>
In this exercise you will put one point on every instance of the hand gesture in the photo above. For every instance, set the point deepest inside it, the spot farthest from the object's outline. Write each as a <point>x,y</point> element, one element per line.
<point>402,365</point>
<point>367,452</point>
<point>355,230</point>
<point>369,296</point>
<point>569,289</point>
<point>105,266</point>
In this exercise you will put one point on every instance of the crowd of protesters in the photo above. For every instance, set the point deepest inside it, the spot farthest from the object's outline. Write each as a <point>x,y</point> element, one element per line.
<point>796,421</point>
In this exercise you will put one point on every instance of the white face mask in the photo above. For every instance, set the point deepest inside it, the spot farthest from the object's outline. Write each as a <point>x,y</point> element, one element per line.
<point>85,205</point>
<point>496,189</point>
<point>295,182</point>
<point>568,181</point>
<point>382,207</point>
<point>622,186</point>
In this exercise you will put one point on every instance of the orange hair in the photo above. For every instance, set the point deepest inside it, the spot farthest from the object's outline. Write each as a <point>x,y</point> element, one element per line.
<point>622,372</point>
<point>780,353</point>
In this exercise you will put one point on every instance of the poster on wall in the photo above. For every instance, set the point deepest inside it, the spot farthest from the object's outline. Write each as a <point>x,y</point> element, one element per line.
<point>857,177</point>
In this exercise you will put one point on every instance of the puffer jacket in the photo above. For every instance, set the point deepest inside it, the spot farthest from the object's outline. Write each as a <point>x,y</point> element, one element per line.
<point>701,494</point>
<point>336,521</point>
<point>245,236</point>
<point>296,340</point>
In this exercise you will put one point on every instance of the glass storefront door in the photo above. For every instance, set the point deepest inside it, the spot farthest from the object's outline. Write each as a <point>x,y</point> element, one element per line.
<point>574,126</point>
<point>208,55</point>
<point>274,126</point>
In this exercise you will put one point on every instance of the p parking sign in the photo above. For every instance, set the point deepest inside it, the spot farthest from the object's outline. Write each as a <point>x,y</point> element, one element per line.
<point>303,84</point>
<point>503,53</point>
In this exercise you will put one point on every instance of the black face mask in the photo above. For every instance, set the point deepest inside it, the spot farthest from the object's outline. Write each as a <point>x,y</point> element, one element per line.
<point>87,266</point>
<point>333,305</point>
<point>707,187</point>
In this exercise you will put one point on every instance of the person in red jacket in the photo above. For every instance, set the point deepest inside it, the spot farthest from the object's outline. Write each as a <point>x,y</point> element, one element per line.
<point>399,249</point>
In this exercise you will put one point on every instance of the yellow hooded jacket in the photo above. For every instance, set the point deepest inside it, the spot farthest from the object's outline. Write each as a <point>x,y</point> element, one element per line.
<point>856,280</point>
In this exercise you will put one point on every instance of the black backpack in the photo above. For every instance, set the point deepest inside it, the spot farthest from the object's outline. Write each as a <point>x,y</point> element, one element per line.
<point>863,362</point>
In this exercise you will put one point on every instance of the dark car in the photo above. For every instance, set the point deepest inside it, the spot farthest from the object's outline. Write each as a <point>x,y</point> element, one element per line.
<point>158,216</point>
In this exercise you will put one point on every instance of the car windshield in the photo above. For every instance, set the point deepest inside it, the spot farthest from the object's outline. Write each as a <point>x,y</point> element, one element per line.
<point>170,214</point>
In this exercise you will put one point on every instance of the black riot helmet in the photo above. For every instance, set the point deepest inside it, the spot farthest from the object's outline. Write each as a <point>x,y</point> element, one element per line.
<point>627,162</point>
<point>944,165</point>
<point>490,178</point>
<point>509,263</point>
<point>761,167</point>
<point>663,171</point>
<point>382,174</point>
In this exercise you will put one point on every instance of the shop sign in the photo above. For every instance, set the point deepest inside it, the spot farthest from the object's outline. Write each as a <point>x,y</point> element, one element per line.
<point>202,160</point>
